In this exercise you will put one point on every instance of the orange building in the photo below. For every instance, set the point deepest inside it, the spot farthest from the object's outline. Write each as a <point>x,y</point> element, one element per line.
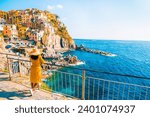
<point>28,24</point>
<point>10,31</point>
<point>6,31</point>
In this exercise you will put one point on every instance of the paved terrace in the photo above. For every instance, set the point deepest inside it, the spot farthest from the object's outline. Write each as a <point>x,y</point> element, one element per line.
<point>12,91</point>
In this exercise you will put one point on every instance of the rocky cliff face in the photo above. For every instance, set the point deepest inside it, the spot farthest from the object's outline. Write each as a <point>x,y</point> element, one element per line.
<point>60,38</point>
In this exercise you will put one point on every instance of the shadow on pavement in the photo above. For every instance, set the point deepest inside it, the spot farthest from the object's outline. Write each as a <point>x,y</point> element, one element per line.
<point>4,79</point>
<point>16,94</point>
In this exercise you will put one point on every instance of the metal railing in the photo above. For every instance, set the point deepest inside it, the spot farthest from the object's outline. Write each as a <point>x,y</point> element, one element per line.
<point>65,83</point>
<point>81,85</point>
<point>102,89</point>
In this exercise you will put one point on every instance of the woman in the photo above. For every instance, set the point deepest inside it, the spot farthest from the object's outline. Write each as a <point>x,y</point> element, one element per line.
<point>35,74</point>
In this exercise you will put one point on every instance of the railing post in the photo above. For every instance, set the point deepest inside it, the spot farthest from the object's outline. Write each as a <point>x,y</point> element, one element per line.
<point>19,66</point>
<point>8,68</point>
<point>83,85</point>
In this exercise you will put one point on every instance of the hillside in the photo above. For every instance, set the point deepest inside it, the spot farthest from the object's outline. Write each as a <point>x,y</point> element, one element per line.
<point>42,27</point>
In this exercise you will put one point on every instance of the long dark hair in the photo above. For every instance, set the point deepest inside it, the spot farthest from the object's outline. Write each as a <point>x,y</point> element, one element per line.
<point>34,57</point>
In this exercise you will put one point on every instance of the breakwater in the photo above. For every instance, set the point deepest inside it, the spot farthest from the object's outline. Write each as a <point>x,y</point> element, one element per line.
<point>82,48</point>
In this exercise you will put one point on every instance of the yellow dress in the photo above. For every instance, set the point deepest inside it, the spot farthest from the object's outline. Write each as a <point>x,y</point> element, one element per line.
<point>36,74</point>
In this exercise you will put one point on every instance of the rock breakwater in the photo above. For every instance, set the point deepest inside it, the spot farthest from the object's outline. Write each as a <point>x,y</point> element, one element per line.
<point>82,48</point>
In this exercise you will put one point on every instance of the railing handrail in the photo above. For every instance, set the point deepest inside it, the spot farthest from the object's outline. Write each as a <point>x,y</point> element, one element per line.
<point>9,54</point>
<point>90,70</point>
<point>101,79</point>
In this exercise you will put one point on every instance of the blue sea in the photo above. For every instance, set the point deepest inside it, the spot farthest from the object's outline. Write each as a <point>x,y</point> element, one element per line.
<point>133,58</point>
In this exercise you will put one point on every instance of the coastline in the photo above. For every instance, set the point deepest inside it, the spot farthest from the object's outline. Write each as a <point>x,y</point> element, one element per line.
<point>100,63</point>
<point>130,40</point>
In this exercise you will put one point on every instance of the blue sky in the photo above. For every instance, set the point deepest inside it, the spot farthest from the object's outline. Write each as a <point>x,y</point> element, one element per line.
<point>95,19</point>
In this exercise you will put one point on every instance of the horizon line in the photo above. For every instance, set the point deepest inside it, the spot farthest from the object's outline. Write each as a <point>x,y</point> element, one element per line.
<point>112,39</point>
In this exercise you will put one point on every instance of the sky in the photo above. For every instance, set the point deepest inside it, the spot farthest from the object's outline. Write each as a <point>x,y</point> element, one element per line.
<point>95,19</point>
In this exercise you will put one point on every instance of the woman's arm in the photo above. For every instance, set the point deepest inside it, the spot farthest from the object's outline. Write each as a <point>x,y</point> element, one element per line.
<point>41,60</point>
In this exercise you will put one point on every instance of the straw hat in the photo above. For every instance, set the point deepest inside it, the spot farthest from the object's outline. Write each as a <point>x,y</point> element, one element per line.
<point>35,51</point>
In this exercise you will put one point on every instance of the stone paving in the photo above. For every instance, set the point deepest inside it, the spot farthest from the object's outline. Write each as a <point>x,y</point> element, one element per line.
<point>12,91</point>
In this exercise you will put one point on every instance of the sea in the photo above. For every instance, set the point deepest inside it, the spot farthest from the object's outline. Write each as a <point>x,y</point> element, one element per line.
<point>131,65</point>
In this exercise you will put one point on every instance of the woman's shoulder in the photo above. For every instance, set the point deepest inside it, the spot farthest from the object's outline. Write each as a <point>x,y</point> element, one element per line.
<point>40,57</point>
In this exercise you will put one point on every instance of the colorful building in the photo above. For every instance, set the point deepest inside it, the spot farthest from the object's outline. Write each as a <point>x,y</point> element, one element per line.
<point>10,31</point>
<point>6,31</point>
<point>14,32</point>
<point>34,34</point>
<point>1,28</point>
<point>22,32</point>
<point>2,21</point>
<point>26,18</point>
<point>4,15</point>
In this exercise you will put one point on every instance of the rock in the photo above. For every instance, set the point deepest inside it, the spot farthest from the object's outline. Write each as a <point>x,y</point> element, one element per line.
<point>14,98</point>
<point>82,48</point>
<point>72,60</point>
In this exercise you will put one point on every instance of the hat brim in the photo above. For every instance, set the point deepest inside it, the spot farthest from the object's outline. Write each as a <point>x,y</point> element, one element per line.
<point>36,53</point>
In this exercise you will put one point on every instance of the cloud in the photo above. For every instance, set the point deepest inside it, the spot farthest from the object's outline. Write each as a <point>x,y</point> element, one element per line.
<point>59,6</point>
<point>50,7</point>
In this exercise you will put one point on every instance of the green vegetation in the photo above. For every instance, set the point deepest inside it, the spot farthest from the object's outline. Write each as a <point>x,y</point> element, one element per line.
<point>45,87</point>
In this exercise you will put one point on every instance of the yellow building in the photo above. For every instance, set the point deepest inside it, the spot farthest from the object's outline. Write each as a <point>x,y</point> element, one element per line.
<point>4,15</point>
<point>15,18</point>
<point>1,14</point>
<point>21,32</point>
<point>19,17</point>
<point>50,17</point>
<point>1,35</point>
